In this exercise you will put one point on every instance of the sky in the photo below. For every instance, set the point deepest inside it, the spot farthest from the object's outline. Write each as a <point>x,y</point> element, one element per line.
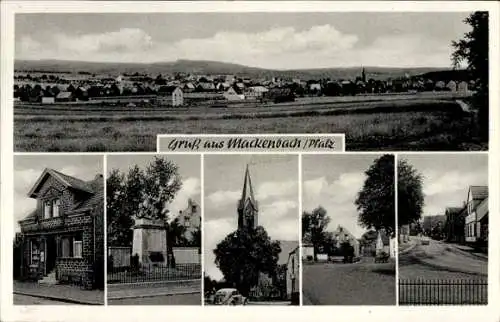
<point>447,177</point>
<point>275,183</point>
<point>333,182</point>
<point>267,40</point>
<point>189,170</point>
<point>28,168</point>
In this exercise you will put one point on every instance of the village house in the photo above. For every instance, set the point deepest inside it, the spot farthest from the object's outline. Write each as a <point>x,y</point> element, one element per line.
<point>232,95</point>
<point>65,97</point>
<point>455,224</point>
<point>63,238</point>
<point>292,276</point>
<point>190,219</point>
<point>342,235</point>
<point>171,96</point>
<point>476,222</point>
<point>255,92</point>
<point>307,251</point>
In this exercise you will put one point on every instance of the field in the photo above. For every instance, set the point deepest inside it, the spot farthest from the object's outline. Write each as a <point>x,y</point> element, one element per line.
<point>396,122</point>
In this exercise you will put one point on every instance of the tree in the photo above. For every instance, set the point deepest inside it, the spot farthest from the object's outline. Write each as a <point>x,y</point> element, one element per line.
<point>314,228</point>
<point>244,254</point>
<point>473,49</point>
<point>375,201</point>
<point>195,240</point>
<point>119,220</point>
<point>143,194</point>
<point>176,233</point>
<point>410,195</point>
<point>161,182</point>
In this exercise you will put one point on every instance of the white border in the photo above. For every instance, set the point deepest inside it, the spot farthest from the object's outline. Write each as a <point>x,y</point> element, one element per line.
<point>131,313</point>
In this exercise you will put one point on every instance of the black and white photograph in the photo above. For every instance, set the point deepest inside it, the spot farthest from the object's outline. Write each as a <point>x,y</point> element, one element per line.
<point>348,229</point>
<point>443,234</point>
<point>153,229</point>
<point>393,81</point>
<point>58,248</point>
<point>251,230</point>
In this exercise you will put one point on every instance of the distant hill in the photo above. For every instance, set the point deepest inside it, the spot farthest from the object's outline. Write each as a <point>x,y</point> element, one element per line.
<point>447,75</point>
<point>199,67</point>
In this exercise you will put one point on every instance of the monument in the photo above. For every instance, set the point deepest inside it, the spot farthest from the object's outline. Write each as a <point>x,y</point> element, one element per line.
<point>150,241</point>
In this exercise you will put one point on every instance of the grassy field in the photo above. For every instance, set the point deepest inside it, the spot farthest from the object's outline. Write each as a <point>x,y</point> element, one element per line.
<point>381,125</point>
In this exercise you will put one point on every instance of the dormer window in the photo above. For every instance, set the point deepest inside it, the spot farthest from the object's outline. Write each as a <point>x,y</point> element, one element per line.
<point>51,208</point>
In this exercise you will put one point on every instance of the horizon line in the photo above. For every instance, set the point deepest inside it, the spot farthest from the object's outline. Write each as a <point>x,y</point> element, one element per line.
<point>240,65</point>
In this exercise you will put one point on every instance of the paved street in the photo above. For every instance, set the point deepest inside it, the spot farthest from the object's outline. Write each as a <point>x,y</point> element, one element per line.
<point>441,273</point>
<point>363,283</point>
<point>440,260</point>
<point>181,299</point>
<point>33,300</point>
<point>59,292</point>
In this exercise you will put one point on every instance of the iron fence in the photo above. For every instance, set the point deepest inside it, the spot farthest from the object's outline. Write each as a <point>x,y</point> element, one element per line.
<point>443,292</point>
<point>153,273</point>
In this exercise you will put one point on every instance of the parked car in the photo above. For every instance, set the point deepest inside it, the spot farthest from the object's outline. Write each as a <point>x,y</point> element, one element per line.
<point>229,296</point>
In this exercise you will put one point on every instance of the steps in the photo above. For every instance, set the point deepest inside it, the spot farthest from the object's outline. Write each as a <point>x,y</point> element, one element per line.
<point>49,279</point>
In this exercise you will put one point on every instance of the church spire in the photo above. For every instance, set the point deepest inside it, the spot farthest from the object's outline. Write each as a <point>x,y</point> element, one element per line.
<point>247,191</point>
<point>247,205</point>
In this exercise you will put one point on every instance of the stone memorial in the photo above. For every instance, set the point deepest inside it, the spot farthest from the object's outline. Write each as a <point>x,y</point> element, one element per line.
<point>150,241</point>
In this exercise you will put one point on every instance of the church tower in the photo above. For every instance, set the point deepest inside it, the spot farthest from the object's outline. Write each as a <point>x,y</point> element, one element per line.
<point>363,75</point>
<point>247,205</point>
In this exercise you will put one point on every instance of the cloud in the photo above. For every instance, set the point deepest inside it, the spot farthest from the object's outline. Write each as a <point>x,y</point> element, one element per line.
<point>337,197</point>
<point>276,189</point>
<point>277,48</point>
<point>281,219</point>
<point>439,182</point>
<point>448,189</point>
<point>223,198</point>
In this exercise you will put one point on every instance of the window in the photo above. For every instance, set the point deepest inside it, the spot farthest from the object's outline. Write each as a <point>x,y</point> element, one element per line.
<point>77,248</point>
<point>55,208</point>
<point>47,209</point>
<point>72,246</point>
<point>65,247</point>
<point>51,208</point>
<point>187,222</point>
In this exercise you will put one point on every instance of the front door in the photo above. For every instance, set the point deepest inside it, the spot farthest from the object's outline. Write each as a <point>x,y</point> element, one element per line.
<point>50,254</point>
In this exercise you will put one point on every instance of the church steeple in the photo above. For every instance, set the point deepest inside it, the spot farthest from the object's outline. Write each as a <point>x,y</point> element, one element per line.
<point>247,205</point>
<point>363,75</point>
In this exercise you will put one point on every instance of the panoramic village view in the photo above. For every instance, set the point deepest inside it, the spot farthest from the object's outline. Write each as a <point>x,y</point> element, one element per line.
<point>443,240</point>
<point>153,230</point>
<point>251,230</point>
<point>348,230</point>
<point>58,249</point>
<point>112,82</point>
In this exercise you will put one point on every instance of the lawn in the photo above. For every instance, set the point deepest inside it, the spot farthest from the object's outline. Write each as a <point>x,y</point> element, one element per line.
<point>395,125</point>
